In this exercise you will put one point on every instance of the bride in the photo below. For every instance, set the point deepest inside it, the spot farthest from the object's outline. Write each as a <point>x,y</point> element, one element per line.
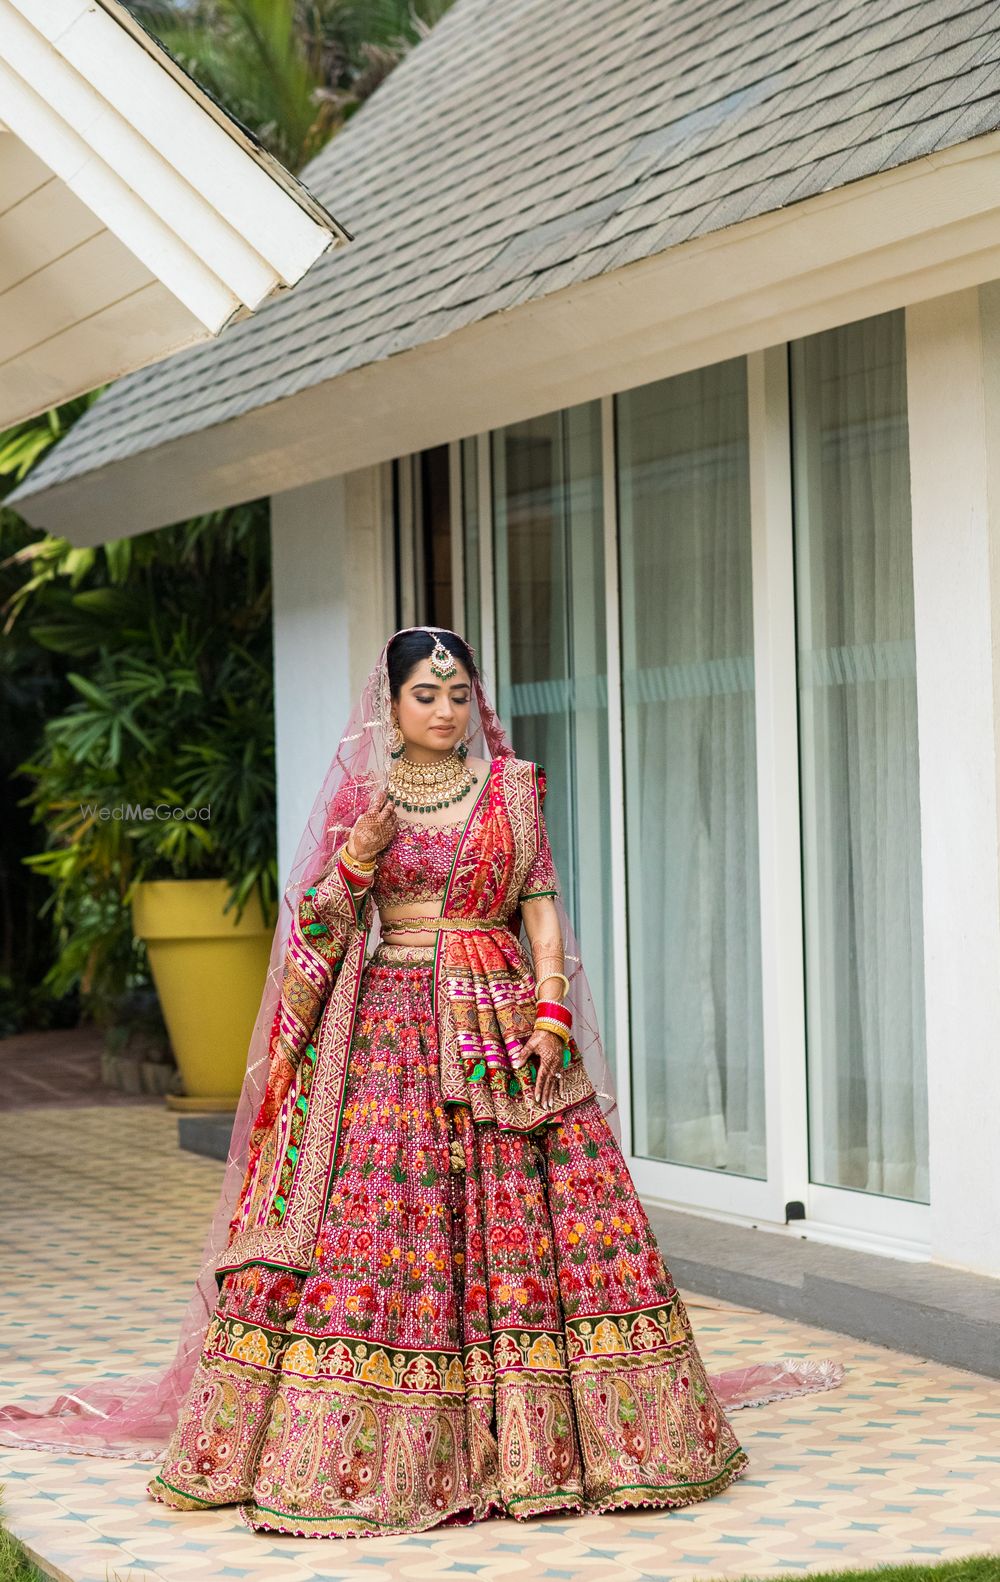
<point>431,1293</point>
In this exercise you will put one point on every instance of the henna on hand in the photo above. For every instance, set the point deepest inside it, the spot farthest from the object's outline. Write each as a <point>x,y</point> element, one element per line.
<point>373,830</point>
<point>548,1050</point>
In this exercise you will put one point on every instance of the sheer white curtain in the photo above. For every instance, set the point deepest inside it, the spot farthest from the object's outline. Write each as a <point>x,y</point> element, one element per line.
<point>548,534</point>
<point>859,773</point>
<point>690,775</point>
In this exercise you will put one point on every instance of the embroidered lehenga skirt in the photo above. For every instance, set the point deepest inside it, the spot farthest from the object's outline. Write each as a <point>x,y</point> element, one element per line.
<point>487,1326</point>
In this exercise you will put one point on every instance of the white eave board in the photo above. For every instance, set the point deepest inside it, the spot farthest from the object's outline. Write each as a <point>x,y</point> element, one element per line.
<point>136,217</point>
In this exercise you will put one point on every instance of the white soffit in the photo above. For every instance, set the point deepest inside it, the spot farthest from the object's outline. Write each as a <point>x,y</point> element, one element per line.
<point>135,216</point>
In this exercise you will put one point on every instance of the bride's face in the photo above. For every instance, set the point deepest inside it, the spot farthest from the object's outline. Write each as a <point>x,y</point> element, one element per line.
<point>433,714</point>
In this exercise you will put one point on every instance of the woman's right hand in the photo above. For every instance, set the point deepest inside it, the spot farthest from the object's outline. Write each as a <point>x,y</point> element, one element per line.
<point>373,830</point>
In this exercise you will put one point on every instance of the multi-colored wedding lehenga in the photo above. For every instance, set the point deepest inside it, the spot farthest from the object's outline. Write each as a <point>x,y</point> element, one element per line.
<point>483,1329</point>
<point>424,1298</point>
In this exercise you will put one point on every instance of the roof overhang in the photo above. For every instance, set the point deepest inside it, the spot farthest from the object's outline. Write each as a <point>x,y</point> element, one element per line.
<point>136,217</point>
<point>920,230</point>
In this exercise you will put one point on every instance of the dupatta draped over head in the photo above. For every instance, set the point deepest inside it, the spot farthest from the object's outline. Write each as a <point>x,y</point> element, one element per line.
<point>273,1189</point>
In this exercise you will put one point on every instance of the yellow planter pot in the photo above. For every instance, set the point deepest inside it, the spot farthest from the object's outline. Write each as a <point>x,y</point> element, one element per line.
<point>209,974</point>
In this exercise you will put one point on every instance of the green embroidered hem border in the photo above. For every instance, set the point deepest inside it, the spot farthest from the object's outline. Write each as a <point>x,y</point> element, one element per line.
<point>184,1494</point>
<point>253,1263</point>
<point>650,1494</point>
<point>369,1523</point>
<point>739,1455</point>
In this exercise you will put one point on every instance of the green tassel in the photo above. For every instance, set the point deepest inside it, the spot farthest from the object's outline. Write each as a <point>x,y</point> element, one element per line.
<point>311,891</point>
<point>566,1057</point>
<point>478,1070</point>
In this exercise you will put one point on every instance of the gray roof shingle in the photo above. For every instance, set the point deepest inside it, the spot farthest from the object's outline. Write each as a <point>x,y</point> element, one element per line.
<point>532,143</point>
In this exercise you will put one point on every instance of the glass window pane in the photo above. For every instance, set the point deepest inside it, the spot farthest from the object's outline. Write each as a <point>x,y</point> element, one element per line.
<point>470,543</point>
<point>858,745</point>
<point>690,772</point>
<point>552,684</point>
<point>435,522</point>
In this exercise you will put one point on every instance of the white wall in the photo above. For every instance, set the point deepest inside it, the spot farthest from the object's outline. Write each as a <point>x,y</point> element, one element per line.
<point>333,609</point>
<point>953,359</point>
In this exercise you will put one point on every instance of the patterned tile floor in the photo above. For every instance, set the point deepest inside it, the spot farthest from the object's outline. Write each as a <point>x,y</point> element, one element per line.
<point>900,1463</point>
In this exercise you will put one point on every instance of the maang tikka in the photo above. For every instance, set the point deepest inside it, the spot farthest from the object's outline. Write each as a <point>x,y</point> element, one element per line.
<point>443,662</point>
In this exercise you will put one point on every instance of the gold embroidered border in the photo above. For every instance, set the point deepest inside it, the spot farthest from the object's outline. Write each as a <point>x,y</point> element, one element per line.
<point>519,801</point>
<point>291,1242</point>
<point>375,1362</point>
<point>649,1329</point>
<point>607,1340</point>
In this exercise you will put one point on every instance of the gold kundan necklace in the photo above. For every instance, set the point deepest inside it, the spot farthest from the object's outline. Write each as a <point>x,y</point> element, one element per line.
<point>423,788</point>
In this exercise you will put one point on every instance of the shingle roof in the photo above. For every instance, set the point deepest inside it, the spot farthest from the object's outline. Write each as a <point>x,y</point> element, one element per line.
<point>528,144</point>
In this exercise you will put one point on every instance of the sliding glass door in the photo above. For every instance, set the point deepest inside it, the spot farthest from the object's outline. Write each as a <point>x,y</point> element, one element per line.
<point>860,792</point>
<point>687,679</point>
<point>552,684</point>
<point>609,573</point>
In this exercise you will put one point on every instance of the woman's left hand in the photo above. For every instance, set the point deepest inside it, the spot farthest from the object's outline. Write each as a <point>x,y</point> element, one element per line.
<point>548,1051</point>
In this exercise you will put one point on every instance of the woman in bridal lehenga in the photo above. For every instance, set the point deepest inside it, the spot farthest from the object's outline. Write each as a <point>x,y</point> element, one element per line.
<point>430,1292</point>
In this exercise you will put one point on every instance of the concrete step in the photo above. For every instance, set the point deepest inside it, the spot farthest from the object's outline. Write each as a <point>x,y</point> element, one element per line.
<point>947,1315</point>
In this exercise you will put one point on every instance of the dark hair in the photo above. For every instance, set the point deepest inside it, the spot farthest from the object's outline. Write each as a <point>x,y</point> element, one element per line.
<point>406,651</point>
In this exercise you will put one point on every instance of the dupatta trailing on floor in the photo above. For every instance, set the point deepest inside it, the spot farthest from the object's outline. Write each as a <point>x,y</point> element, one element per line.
<point>287,1122</point>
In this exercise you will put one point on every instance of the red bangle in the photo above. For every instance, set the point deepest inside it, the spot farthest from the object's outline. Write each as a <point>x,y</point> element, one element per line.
<point>555,1011</point>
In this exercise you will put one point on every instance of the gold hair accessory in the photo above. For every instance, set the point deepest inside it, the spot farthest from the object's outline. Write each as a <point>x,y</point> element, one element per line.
<point>443,661</point>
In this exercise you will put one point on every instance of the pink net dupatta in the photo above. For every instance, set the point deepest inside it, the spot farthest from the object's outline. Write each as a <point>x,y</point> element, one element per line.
<point>133,1415</point>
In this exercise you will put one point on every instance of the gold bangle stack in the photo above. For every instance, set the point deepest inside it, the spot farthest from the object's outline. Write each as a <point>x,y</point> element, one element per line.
<point>354,865</point>
<point>550,1025</point>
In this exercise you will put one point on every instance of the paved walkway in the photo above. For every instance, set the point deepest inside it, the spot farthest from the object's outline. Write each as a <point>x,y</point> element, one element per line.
<point>900,1463</point>
<point>60,1067</point>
